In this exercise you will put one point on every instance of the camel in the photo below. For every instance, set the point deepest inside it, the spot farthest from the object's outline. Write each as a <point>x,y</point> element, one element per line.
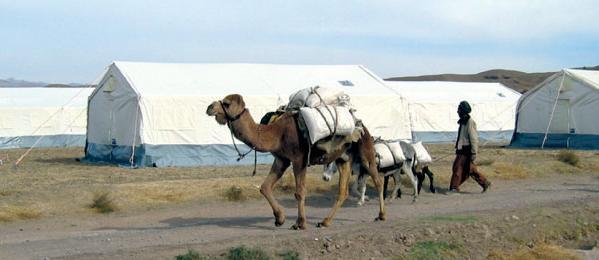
<point>285,142</point>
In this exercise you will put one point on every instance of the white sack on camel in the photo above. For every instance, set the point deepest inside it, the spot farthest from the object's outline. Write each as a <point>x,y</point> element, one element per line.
<point>386,151</point>
<point>421,154</point>
<point>320,121</point>
<point>315,96</point>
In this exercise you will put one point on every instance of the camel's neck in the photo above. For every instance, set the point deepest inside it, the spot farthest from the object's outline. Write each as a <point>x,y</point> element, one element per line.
<point>252,134</point>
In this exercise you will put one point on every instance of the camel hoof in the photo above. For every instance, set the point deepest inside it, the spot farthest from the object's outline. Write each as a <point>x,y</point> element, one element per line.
<point>279,218</point>
<point>381,217</point>
<point>322,225</point>
<point>414,200</point>
<point>433,190</point>
<point>361,203</point>
<point>325,223</point>
<point>297,227</point>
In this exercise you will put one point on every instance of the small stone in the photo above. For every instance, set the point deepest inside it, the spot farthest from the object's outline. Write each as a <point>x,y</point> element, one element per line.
<point>337,246</point>
<point>323,251</point>
<point>363,251</point>
<point>530,244</point>
<point>507,218</point>
<point>534,225</point>
<point>430,231</point>
<point>328,239</point>
<point>20,229</point>
<point>315,239</point>
<point>515,217</point>
<point>108,239</point>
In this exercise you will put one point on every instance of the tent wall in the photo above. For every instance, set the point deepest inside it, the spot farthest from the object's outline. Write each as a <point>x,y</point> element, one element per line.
<point>114,119</point>
<point>174,129</point>
<point>432,109</point>
<point>572,124</point>
<point>52,117</point>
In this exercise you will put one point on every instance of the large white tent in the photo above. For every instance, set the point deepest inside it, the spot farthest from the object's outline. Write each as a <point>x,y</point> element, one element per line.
<point>153,114</point>
<point>433,109</point>
<point>561,112</point>
<point>43,117</point>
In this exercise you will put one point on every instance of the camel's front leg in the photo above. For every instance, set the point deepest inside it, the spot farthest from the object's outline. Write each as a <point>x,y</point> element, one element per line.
<point>276,171</point>
<point>344,174</point>
<point>299,170</point>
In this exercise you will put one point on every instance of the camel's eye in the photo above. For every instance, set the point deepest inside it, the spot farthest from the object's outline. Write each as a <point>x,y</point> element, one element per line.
<point>226,105</point>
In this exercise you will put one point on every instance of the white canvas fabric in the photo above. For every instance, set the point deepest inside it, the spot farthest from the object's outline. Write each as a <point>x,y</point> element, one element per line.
<point>422,154</point>
<point>164,104</point>
<point>560,112</point>
<point>325,121</point>
<point>433,105</point>
<point>580,88</point>
<point>389,153</point>
<point>51,113</point>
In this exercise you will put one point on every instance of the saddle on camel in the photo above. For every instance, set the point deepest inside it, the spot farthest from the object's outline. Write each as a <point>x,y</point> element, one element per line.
<point>295,138</point>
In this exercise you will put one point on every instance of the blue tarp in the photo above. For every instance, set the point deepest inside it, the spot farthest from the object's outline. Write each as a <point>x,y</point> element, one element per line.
<point>570,141</point>
<point>173,155</point>
<point>45,141</point>
<point>450,137</point>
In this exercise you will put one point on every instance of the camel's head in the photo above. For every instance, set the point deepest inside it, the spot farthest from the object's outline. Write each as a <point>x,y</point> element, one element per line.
<point>228,109</point>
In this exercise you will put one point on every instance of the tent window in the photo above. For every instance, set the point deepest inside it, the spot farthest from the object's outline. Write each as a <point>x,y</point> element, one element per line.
<point>109,84</point>
<point>346,83</point>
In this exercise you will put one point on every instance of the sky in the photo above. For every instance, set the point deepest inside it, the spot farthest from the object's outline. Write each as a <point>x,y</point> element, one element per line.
<point>64,41</point>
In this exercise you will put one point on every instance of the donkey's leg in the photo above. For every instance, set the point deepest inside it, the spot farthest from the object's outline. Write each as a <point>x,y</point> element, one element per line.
<point>361,183</point>
<point>408,171</point>
<point>374,174</point>
<point>299,170</point>
<point>430,178</point>
<point>276,171</point>
<point>420,176</point>
<point>396,180</point>
<point>344,174</point>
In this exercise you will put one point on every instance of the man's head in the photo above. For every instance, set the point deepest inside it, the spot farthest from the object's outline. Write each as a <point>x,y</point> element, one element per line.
<point>464,108</point>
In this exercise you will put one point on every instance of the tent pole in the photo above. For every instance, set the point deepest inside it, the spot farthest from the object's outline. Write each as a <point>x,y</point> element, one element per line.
<point>553,110</point>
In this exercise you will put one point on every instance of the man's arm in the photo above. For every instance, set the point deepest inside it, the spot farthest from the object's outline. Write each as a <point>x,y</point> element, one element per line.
<point>473,136</point>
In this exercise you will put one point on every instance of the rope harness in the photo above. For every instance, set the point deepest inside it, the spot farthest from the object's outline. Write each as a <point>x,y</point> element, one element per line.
<point>231,119</point>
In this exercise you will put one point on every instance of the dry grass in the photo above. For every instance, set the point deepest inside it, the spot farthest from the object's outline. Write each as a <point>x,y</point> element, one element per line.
<point>542,251</point>
<point>103,203</point>
<point>11,213</point>
<point>58,185</point>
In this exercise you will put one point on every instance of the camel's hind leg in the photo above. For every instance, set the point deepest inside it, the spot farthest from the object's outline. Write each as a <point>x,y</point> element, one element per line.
<point>344,174</point>
<point>379,187</point>
<point>299,171</point>
<point>276,171</point>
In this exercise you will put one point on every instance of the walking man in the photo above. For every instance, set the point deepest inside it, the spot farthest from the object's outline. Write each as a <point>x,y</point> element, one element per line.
<point>466,149</point>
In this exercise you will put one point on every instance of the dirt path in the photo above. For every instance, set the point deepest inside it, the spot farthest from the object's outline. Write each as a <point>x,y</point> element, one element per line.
<point>159,233</point>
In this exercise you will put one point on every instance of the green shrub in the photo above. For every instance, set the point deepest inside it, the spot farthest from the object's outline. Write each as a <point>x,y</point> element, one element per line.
<point>191,255</point>
<point>289,255</point>
<point>244,253</point>
<point>103,203</point>
<point>568,157</point>
<point>235,193</point>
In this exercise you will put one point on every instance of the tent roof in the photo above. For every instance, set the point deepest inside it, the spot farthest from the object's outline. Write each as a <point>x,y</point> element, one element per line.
<point>448,91</point>
<point>44,97</point>
<point>591,77</point>
<point>189,79</point>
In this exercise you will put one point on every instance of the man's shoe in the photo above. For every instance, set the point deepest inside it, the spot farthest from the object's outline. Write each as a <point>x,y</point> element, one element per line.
<point>486,186</point>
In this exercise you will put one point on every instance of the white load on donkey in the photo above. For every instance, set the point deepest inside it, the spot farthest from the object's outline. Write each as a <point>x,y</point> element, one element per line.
<point>393,158</point>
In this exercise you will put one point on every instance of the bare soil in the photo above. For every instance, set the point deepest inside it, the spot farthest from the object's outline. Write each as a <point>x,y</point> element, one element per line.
<point>536,202</point>
<point>515,214</point>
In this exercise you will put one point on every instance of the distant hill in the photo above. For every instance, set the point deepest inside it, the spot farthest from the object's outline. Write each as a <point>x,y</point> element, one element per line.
<point>517,80</point>
<point>17,83</point>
